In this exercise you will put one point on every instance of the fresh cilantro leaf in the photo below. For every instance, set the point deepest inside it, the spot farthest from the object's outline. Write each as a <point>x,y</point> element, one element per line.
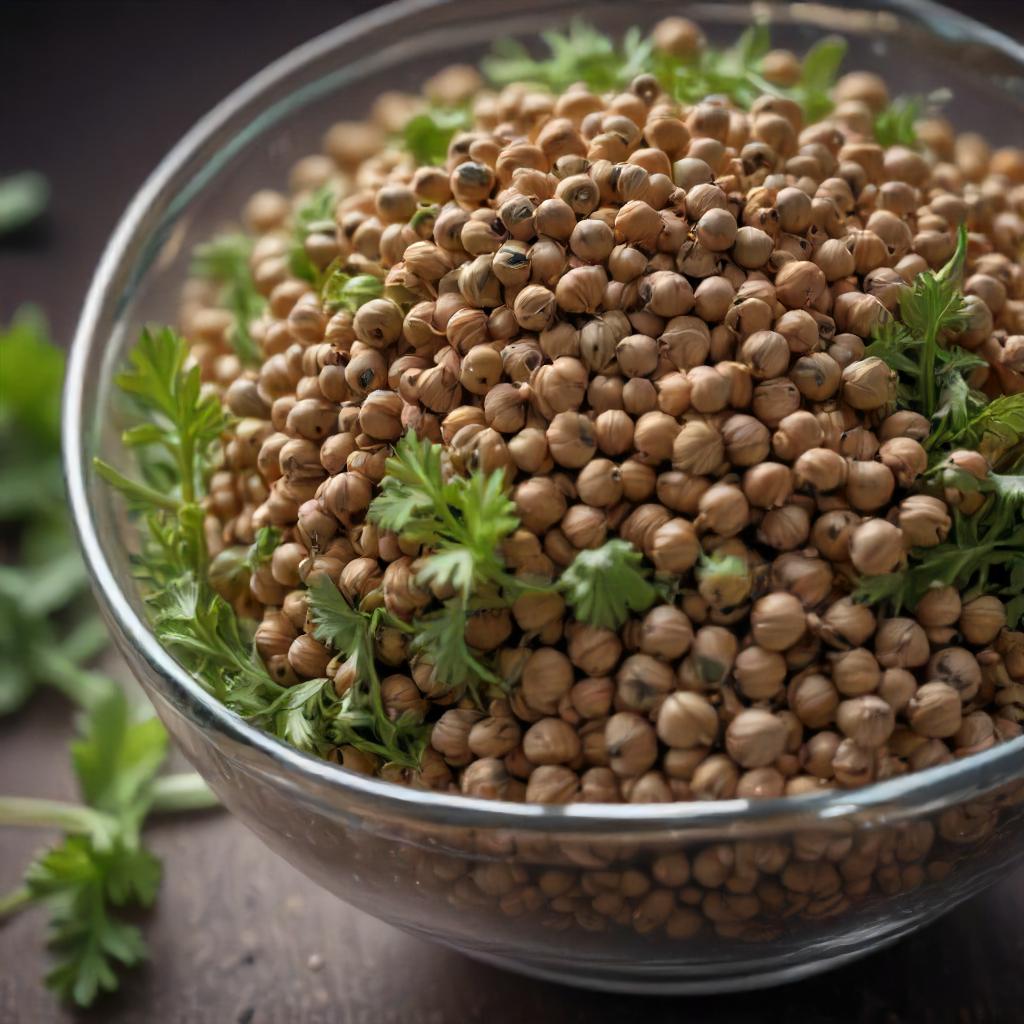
<point>604,585</point>
<point>426,135</point>
<point>929,310</point>
<point>896,125</point>
<point>818,72</point>
<point>297,716</point>
<point>440,638</point>
<point>48,577</point>
<point>225,260</point>
<point>583,54</point>
<point>184,421</point>
<point>580,54</point>
<point>464,521</point>
<point>343,291</point>
<point>100,864</point>
<point>451,565</point>
<point>465,518</point>
<point>31,372</point>
<point>79,884</point>
<point>995,428</point>
<point>358,717</point>
<point>316,214</point>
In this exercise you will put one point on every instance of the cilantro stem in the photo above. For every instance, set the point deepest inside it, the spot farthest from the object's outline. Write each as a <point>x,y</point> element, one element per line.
<point>186,467</point>
<point>15,900</point>
<point>938,317</point>
<point>33,812</point>
<point>133,490</point>
<point>185,791</point>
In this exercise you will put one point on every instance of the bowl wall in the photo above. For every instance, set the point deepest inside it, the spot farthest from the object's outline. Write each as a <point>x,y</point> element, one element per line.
<point>669,898</point>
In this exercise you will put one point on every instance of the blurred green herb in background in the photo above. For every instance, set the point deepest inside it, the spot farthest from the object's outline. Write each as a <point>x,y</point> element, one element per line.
<point>49,633</point>
<point>23,199</point>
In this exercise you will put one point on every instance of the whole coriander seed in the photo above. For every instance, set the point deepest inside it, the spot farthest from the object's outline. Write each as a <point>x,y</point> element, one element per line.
<point>755,738</point>
<point>777,621</point>
<point>552,741</point>
<point>715,778</point>
<point>935,711</point>
<point>687,720</point>
<point>651,320</point>
<point>632,744</point>
<point>868,720</point>
<point>552,784</point>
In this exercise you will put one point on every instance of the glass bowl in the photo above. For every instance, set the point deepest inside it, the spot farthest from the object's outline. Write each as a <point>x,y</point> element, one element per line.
<point>684,897</point>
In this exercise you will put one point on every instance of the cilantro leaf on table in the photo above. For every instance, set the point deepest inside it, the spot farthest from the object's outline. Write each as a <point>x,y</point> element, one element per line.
<point>86,939</point>
<point>116,759</point>
<point>100,865</point>
<point>48,632</point>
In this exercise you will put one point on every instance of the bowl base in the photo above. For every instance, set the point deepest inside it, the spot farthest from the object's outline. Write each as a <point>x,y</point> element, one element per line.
<point>671,980</point>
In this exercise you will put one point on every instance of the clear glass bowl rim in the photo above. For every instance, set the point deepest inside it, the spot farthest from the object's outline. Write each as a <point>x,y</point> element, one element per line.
<point>913,793</point>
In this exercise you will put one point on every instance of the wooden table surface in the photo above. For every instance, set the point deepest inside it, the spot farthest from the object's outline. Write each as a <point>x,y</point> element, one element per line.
<point>92,95</point>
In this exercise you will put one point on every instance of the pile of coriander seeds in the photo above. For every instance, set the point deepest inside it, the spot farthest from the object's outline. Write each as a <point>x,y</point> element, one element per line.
<point>652,317</point>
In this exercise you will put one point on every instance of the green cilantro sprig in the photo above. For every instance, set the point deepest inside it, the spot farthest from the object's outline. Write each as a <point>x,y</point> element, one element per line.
<point>426,135</point>
<point>984,552</point>
<point>934,374</point>
<point>315,214</point>
<point>580,54</point>
<point>225,261</point>
<point>177,444</point>
<point>605,585</point>
<point>463,521</point>
<point>583,54</point>
<point>101,864</point>
<point>897,124</point>
<point>913,344</point>
<point>359,717</point>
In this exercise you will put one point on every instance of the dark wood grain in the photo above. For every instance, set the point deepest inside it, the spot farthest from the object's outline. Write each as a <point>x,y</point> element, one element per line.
<point>93,94</point>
